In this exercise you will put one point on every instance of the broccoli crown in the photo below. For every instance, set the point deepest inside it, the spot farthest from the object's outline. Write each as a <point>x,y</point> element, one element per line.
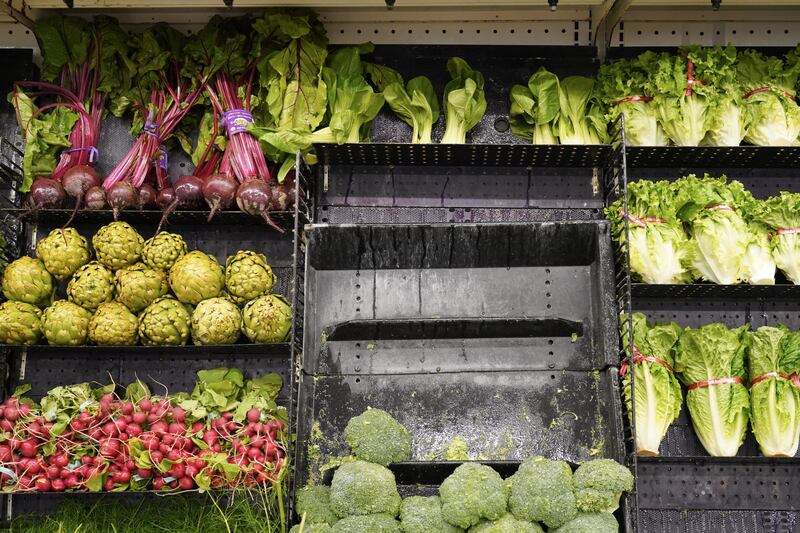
<point>599,485</point>
<point>473,491</point>
<point>372,523</point>
<point>375,436</point>
<point>311,528</point>
<point>541,491</point>
<point>315,504</point>
<point>506,524</point>
<point>419,514</point>
<point>361,488</point>
<point>590,523</point>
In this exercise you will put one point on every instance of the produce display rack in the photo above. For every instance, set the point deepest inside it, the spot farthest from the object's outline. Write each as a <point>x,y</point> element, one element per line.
<point>495,180</point>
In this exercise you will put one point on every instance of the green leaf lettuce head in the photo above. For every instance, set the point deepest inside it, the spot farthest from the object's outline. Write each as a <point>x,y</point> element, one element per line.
<point>719,412</point>
<point>686,118</point>
<point>464,101</point>
<point>658,392</point>
<point>758,265</point>
<point>719,236</point>
<point>657,244</point>
<point>775,412</point>
<point>781,213</point>
<point>535,108</point>
<point>622,86</point>
<point>769,86</point>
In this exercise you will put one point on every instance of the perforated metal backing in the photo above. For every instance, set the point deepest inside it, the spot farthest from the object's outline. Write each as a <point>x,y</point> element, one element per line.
<point>720,484</point>
<point>730,521</point>
<point>710,290</point>
<point>712,156</point>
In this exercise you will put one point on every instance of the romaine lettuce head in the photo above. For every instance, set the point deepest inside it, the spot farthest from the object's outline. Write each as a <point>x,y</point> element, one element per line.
<point>719,412</point>
<point>775,413</point>
<point>658,393</point>
<point>782,213</point>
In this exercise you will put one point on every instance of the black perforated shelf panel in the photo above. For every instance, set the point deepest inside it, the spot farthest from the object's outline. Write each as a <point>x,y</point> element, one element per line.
<point>710,290</point>
<point>713,156</point>
<point>520,155</point>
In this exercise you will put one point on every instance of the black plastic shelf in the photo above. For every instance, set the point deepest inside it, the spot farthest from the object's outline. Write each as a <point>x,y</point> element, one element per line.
<point>713,291</point>
<point>482,155</point>
<point>283,219</point>
<point>713,156</point>
<point>276,349</point>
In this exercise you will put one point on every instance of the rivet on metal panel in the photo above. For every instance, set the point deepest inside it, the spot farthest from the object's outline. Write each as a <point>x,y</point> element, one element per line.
<point>23,359</point>
<point>325,172</point>
<point>595,181</point>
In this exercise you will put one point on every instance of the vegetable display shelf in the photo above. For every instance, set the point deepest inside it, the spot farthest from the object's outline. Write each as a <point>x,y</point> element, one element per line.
<point>685,489</point>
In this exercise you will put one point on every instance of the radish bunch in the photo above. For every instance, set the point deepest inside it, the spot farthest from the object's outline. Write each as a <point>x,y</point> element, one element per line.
<point>114,444</point>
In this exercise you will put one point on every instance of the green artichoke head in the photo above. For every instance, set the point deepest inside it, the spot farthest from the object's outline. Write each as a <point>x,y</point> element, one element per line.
<point>117,245</point>
<point>91,285</point>
<point>267,319</point>
<point>248,276</point>
<point>138,286</point>
<point>63,252</point>
<point>164,322</point>
<point>27,280</point>
<point>20,323</point>
<point>196,277</point>
<point>114,325</point>
<point>161,252</point>
<point>216,321</point>
<point>66,324</point>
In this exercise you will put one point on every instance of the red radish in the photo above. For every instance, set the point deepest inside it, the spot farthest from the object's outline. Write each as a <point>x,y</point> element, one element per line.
<point>253,415</point>
<point>24,409</point>
<point>45,193</point>
<point>5,453</point>
<point>95,198</point>
<point>147,196</point>
<point>219,192</point>
<point>282,197</point>
<point>186,483</point>
<point>144,472</point>
<point>158,483</point>
<point>145,405</point>
<point>122,196</point>
<point>28,448</point>
<point>139,417</point>
<point>42,484</point>
<point>165,197</point>
<point>253,197</point>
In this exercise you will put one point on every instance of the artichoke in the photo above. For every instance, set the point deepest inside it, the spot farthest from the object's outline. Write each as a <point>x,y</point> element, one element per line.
<point>138,286</point>
<point>91,285</point>
<point>196,277</point>
<point>216,321</point>
<point>27,280</point>
<point>113,325</point>
<point>161,252</point>
<point>248,276</point>
<point>165,322</point>
<point>267,319</point>
<point>65,323</point>
<point>63,252</point>
<point>117,245</point>
<point>20,323</point>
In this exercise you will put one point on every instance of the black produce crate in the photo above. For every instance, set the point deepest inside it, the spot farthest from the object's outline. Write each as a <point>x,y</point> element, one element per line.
<point>570,415</point>
<point>546,289</point>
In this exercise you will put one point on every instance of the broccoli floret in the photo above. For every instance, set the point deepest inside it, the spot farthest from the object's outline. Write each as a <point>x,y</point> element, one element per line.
<point>375,436</point>
<point>599,485</point>
<point>541,491</point>
<point>506,524</point>
<point>315,504</point>
<point>373,523</point>
<point>590,523</point>
<point>457,450</point>
<point>361,488</point>
<point>311,528</point>
<point>473,491</point>
<point>424,515</point>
